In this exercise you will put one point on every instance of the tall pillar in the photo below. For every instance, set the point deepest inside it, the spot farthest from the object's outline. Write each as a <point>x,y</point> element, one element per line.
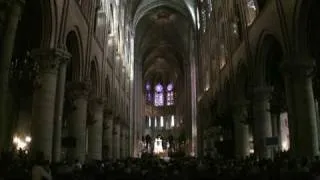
<point>262,121</point>
<point>122,141</point>
<point>241,129</point>
<point>95,130</point>
<point>6,51</point>
<point>127,143</point>
<point>108,135</point>
<point>305,132</point>
<point>116,139</point>
<point>77,123</point>
<point>58,114</point>
<point>44,99</point>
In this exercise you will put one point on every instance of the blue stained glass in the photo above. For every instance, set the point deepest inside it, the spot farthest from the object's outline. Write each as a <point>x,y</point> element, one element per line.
<point>159,88</point>
<point>149,97</point>
<point>170,87</point>
<point>148,87</point>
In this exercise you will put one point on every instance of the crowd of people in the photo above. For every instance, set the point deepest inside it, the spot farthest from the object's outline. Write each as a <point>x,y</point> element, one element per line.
<point>18,166</point>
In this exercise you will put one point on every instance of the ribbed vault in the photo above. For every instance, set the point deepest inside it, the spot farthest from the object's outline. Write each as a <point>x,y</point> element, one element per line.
<point>161,38</point>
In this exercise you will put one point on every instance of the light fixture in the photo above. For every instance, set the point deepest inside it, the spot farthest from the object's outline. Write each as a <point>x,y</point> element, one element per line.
<point>28,139</point>
<point>21,143</point>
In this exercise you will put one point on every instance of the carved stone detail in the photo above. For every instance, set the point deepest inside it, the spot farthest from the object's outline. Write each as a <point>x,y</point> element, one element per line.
<point>77,90</point>
<point>107,112</point>
<point>49,59</point>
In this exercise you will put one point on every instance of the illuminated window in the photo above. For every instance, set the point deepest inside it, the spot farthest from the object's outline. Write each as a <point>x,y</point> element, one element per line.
<point>148,93</point>
<point>150,121</point>
<point>204,19</point>
<point>158,95</point>
<point>222,61</point>
<point>155,122</point>
<point>251,11</point>
<point>170,95</point>
<point>209,8</point>
<point>172,121</point>
<point>161,121</point>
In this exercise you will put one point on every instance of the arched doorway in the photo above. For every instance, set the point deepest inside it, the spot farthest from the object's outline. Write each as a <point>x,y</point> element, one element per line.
<point>269,98</point>
<point>72,76</point>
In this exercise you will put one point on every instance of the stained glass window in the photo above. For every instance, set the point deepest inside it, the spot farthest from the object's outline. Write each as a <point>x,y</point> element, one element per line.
<point>161,121</point>
<point>170,95</point>
<point>158,95</point>
<point>172,121</point>
<point>148,93</point>
<point>148,87</point>
<point>149,96</point>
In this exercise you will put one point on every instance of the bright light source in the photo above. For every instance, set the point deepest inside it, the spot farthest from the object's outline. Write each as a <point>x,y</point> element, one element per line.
<point>28,139</point>
<point>285,146</point>
<point>15,140</point>
<point>251,151</point>
<point>21,143</point>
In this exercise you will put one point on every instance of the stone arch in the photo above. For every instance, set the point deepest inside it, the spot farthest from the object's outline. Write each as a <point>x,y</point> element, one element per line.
<point>29,36</point>
<point>267,43</point>
<point>94,78</point>
<point>146,6</point>
<point>270,57</point>
<point>300,24</point>
<point>74,47</point>
<point>49,23</point>
<point>44,17</point>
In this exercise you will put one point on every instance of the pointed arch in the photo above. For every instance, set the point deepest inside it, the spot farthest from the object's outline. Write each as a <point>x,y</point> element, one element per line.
<point>73,45</point>
<point>94,78</point>
<point>268,41</point>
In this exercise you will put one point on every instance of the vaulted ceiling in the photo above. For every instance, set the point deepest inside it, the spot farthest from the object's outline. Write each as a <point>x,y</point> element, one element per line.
<point>162,34</point>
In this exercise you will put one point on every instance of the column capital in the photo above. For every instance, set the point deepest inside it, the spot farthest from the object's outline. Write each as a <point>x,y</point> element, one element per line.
<point>117,120</point>
<point>49,59</point>
<point>78,89</point>
<point>299,69</point>
<point>262,93</point>
<point>239,110</point>
<point>97,101</point>
<point>108,112</point>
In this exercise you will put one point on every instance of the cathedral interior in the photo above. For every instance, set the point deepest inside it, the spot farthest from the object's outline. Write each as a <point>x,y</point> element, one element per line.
<point>112,79</point>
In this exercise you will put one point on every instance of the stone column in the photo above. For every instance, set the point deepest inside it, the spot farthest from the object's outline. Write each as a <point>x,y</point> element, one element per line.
<point>58,114</point>
<point>44,99</point>
<point>318,118</point>
<point>122,142</point>
<point>116,139</point>
<point>305,130</point>
<point>241,129</point>
<point>6,51</point>
<point>108,134</point>
<point>77,124</point>
<point>276,131</point>
<point>95,130</point>
<point>262,121</point>
<point>126,148</point>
